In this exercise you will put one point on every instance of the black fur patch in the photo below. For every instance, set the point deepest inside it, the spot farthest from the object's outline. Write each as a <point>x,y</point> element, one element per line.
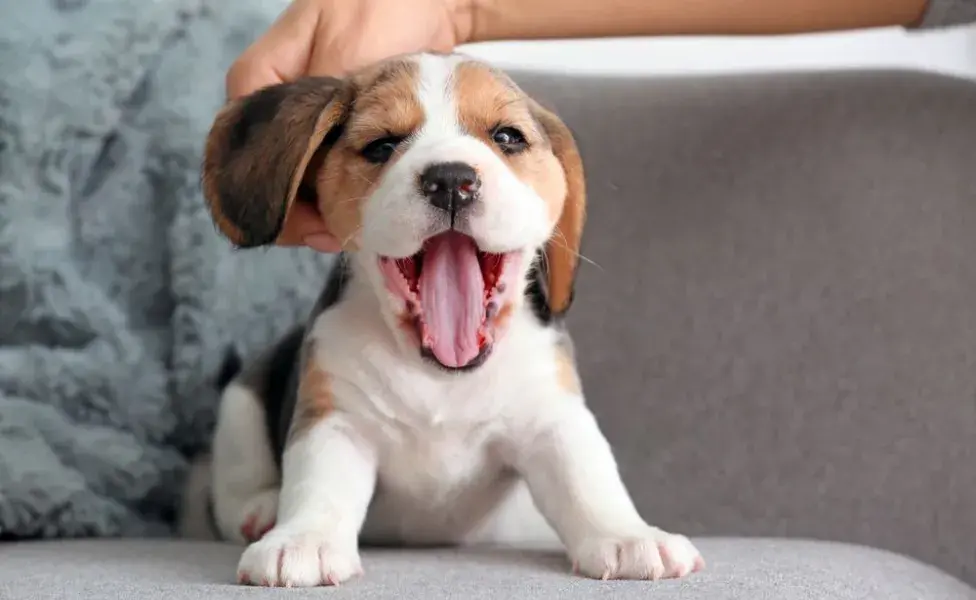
<point>537,291</point>
<point>279,388</point>
<point>335,286</point>
<point>229,369</point>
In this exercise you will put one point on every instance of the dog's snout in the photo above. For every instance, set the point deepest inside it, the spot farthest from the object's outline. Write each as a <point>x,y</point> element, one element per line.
<point>450,186</point>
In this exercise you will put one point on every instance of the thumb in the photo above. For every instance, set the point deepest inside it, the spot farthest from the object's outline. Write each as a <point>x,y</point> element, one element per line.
<point>304,226</point>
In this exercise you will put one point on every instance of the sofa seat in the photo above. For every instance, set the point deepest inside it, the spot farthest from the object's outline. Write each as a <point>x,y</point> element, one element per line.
<point>746,569</point>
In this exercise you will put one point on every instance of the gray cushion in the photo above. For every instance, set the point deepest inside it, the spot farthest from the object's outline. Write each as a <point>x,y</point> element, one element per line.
<point>738,569</point>
<point>779,333</point>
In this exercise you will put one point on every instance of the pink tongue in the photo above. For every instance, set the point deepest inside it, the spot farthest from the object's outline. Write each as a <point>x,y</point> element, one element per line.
<point>452,294</point>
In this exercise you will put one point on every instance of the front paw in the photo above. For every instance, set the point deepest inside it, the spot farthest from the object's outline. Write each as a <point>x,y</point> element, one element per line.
<point>650,554</point>
<point>285,558</point>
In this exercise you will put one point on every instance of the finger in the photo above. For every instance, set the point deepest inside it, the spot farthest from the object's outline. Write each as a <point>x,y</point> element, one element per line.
<point>324,62</point>
<point>324,59</point>
<point>302,220</point>
<point>343,43</point>
<point>246,77</point>
<point>304,226</point>
<point>280,55</point>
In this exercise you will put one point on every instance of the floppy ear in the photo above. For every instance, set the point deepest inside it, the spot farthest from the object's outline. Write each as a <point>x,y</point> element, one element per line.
<point>562,252</point>
<point>258,151</point>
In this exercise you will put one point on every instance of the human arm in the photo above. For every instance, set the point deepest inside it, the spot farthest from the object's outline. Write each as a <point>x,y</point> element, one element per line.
<point>548,19</point>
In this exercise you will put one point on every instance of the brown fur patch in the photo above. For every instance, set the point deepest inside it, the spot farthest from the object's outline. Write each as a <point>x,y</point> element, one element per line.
<point>551,165</point>
<point>408,325</point>
<point>504,315</point>
<point>315,399</point>
<point>386,105</point>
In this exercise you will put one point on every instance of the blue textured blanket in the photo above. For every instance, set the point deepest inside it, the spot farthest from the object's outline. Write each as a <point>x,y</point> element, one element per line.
<point>117,298</point>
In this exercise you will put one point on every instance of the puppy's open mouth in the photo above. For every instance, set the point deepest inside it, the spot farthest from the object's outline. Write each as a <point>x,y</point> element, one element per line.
<point>454,294</point>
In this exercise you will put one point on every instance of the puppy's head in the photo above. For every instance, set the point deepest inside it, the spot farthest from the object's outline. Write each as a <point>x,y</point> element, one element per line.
<point>439,171</point>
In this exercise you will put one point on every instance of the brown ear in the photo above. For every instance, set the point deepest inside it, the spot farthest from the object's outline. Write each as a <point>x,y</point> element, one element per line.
<point>563,250</point>
<point>258,151</point>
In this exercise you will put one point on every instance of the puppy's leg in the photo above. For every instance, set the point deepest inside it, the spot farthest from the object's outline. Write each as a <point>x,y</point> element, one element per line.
<point>245,476</point>
<point>574,480</point>
<point>329,474</point>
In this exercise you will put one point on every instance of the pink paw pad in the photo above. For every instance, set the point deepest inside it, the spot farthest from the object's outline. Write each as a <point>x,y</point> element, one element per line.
<point>252,532</point>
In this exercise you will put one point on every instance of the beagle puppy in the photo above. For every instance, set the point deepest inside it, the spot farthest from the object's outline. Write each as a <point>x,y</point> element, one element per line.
<point>432,396</point>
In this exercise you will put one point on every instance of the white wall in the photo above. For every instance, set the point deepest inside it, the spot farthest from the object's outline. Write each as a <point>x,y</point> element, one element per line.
<point>949,51</point>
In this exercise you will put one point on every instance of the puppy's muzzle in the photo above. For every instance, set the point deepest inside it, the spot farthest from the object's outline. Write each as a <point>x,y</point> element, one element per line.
<point>450,186</point>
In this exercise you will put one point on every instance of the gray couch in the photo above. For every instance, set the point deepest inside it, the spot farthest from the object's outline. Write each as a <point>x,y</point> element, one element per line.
<point>777,331</point>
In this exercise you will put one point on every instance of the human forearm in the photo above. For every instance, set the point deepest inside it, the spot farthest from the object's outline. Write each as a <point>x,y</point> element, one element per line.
<point>542,19</point>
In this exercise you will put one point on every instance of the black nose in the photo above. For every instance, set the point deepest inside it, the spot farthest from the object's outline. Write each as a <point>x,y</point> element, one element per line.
<point>450,186</point>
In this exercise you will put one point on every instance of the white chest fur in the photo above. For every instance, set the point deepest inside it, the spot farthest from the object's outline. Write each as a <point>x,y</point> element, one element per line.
<point>413,455</point>
<point>441,439</point>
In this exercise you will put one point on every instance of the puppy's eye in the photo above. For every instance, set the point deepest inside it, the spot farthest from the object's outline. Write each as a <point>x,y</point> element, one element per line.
<point>509,139</point>
<point>381,150</point>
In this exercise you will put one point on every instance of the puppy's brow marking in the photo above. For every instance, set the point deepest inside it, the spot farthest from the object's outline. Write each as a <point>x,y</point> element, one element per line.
<point>387,103</point>
<point>486,101</point>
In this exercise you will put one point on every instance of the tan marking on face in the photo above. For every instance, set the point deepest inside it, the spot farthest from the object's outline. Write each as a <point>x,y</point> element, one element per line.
<point>315,399</point>
<point>566,376</point>
<point>504,316</point>
<point>487,100</point>
<point>408,325</point>
<point>386,105</point>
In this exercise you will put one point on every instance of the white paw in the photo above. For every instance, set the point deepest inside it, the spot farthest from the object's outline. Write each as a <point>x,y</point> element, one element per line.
<point>288,559</point>
<point>259,514</point>
<point>651,554</point>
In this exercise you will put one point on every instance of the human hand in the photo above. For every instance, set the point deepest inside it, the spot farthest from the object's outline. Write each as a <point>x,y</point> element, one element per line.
<point>335,37</point>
